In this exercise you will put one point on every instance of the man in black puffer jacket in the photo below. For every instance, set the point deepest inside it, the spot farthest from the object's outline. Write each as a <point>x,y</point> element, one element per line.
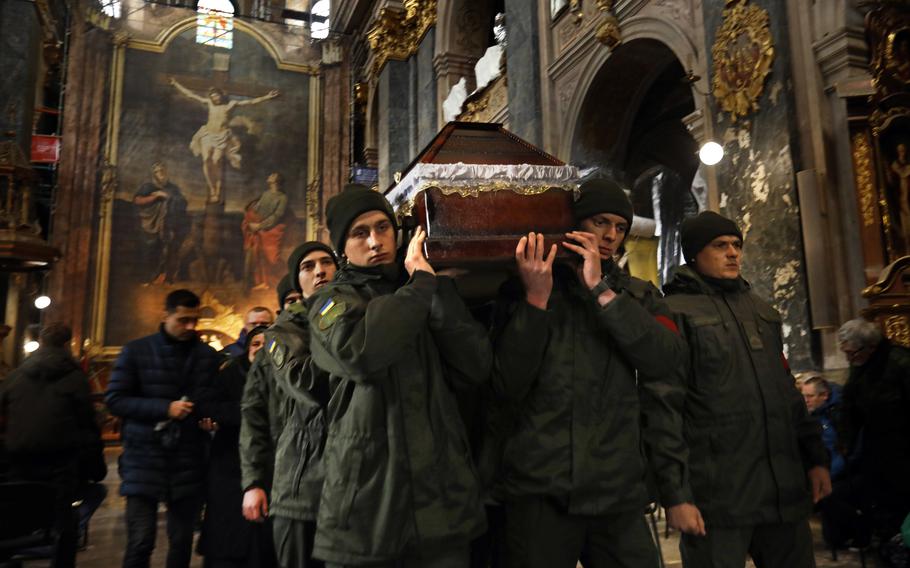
<point>154,385</point>
<point>755,455</point>
<point>49,422</point>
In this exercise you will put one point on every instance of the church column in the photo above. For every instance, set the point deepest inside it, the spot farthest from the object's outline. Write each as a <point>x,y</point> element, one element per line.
<point>756,180</point>
<point>394,132</point>
<point>523,70</point>
<point>424,96</point>
<point>85,185</point>
<point>20,39</point>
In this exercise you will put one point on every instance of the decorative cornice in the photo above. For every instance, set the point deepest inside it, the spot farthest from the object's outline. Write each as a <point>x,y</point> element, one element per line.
<point>396,34</point>
<point>841,54</point>
<point>446,63</point>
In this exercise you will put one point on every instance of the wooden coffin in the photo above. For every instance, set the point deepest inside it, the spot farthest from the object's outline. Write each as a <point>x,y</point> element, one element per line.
<point>477,189</point>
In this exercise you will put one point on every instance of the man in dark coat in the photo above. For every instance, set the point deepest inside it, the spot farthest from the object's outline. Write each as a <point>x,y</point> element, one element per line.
<point>283,423</point>
<point>875,412</point>
<point>154,386</point>
<point>582,358</point>
<point>228,540</point>
<point>756,458</point>
<point>49,428</point>
<point>400,486</point>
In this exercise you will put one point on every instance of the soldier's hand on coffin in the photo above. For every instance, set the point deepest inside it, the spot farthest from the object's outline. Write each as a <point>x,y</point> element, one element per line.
<point>535,270</point>
<point>589,272</point>
<point>415,259</point>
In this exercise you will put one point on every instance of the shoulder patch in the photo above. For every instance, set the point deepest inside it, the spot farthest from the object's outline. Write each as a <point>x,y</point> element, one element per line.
<point>330,312</point>
<point>277,352</point>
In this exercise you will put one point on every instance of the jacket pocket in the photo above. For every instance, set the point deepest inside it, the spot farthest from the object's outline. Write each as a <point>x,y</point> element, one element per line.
<point>711,353</point>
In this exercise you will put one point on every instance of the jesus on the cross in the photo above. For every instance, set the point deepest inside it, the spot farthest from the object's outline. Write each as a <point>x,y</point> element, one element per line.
<point>214,140</point>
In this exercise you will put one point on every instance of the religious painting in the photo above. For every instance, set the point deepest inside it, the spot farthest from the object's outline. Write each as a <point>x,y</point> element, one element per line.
<point>894,151</point>
<point>211,166</point>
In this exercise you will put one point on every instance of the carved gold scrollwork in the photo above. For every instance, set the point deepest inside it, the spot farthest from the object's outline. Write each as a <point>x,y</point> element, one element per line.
<point>881,120</point>
<point>608,31</point>
<point>898,330</point>
<point>312,200</point>
<point>493,99</point>
<point>862,162</point>
<point>742,55</point>
<point>397,34</point>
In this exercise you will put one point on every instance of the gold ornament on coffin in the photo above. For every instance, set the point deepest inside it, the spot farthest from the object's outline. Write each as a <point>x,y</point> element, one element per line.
<point>397,34</point>
<point>742,56</point>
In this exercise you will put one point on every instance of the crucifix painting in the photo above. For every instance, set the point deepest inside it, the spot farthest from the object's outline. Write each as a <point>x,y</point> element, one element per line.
<point>214,141</point>
<point>224,134</point>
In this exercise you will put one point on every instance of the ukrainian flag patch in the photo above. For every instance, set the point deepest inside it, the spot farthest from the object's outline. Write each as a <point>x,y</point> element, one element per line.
<point>329,313</point>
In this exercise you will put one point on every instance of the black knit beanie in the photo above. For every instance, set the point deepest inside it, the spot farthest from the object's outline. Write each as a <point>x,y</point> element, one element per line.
<point>284,288</point>
<point>602,196</point>
<point>353,201</point>
<point>697,232</point>
<point>298,255</point>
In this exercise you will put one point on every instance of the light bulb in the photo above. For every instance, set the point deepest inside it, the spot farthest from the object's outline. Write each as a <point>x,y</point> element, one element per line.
<point>30,346</point>
<point>42,302</point>
<point>711,153</point>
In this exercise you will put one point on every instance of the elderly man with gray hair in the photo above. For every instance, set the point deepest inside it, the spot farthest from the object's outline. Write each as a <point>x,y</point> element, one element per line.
<point>876,405</point>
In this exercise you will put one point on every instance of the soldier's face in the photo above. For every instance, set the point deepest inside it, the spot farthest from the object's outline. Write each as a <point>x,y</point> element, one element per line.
<point>610,231</point>
<point>291,298</point>
<point>316,270</point>
<point>721,258</point>
<point>371,240</point>
<point>256,344</point>
<point>181,323</point>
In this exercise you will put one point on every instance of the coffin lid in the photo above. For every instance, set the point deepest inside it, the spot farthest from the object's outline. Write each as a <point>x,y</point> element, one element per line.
<point>480,143</point>
<point>467,157</point>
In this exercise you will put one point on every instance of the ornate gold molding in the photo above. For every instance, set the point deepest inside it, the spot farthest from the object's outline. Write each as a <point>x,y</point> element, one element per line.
<point>865,187</point>
<point>742,55</point>
<point>397,34</point>
<point>881,120</point>
<point>897,330</point>
<point>494,98</point>
<point>608,31</point>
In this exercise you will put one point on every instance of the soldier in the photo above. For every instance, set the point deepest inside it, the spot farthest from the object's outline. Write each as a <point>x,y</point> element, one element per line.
<point>283,424</point>
<point>400,488</point>
<point>568,347</point>
<point>753,449</point>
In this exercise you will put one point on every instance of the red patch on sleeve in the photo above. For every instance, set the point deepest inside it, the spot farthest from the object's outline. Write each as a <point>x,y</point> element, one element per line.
<point>667,323</point>
<point>783,359</point>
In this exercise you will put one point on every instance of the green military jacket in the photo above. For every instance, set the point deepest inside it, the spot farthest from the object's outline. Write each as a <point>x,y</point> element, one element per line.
<point>592,394</point>
<point>398,468</point>
<point>283,425</point>
<point>750,437</point>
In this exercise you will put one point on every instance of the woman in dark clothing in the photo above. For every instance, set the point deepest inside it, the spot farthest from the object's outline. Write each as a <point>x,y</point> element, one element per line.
<point>228,540</point>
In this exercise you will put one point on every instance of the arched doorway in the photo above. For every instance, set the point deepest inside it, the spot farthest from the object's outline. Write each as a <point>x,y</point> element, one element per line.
<point>630,127</point>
